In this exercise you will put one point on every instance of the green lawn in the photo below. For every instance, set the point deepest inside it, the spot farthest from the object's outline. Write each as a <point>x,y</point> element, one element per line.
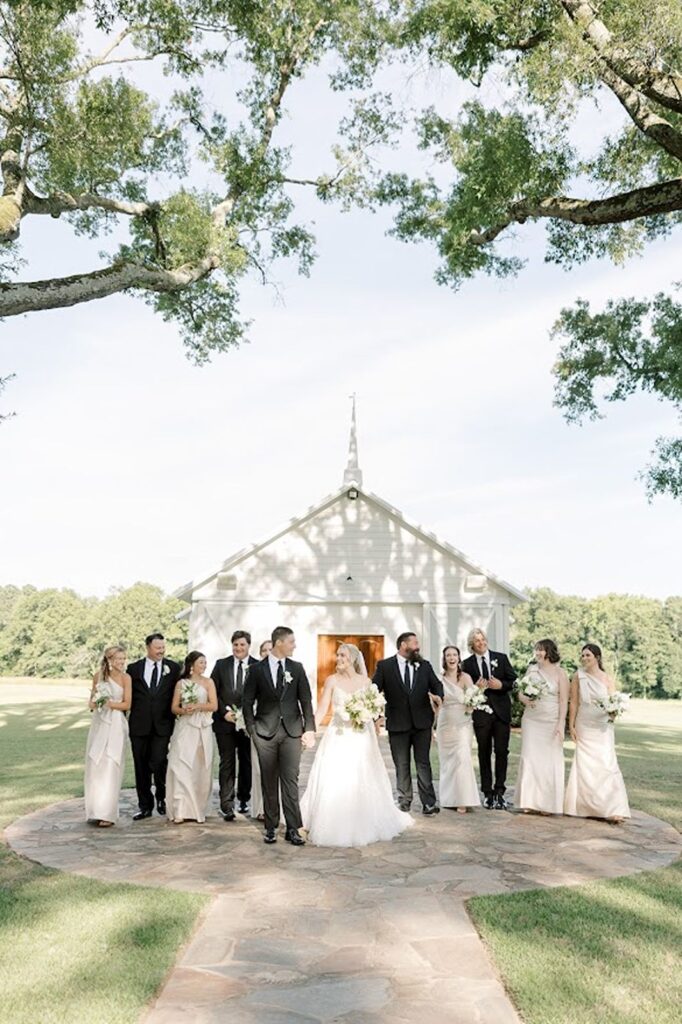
<point>71,950</point>
<point>609,952</point>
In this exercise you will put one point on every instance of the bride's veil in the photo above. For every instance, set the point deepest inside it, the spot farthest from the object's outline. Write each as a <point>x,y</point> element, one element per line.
<point>356,657</point>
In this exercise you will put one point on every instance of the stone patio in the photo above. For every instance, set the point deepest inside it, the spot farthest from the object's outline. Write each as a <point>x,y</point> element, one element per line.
<point>379,934</point>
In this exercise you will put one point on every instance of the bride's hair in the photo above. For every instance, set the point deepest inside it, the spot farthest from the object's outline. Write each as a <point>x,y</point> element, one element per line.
<point>109,652</point>
<point>356,658</point>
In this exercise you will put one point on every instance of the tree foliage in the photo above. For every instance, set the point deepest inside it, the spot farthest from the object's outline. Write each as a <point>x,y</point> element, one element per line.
<point>57,633</point>
<point>641,637</point>
<point>81,140</point>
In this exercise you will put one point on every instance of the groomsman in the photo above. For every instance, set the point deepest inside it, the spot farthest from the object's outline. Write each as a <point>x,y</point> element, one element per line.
<point>492,672</point>
<point>412,691</point>
<point>151,722</point>
<point>229,676</point>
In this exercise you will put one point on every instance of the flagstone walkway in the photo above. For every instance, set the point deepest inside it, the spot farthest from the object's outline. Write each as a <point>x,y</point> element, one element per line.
<point>363,936</point>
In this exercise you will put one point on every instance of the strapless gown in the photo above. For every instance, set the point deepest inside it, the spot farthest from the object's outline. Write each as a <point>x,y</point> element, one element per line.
<point>190,764</point>
<point>348,800</point>
<point>595,785</point>
<point>540,782</point>
<point>455,734</point>
<point>105,759</point>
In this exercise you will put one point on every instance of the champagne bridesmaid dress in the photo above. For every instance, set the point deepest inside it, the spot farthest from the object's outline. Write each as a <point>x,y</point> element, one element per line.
<point>595,785</point>
<point>190,764</point>
<point>540,783</point>
<point>455,734</point>
<point>105,758</point>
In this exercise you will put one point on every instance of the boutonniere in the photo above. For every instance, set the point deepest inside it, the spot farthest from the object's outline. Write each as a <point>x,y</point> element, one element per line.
<point>165,670</point>
<point>493,663</point>
<point>287,677</point>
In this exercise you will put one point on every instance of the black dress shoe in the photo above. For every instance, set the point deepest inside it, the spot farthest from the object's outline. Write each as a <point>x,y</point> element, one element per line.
<point>404,806</point>
<point>500,803</point>
<point>243,807</point>
<point>489,803</point>
<point>294,838</point>
<point>229,815</point>
<point>434,809</point>
<point>269,836</point>
<point>139,815</point>
<point>161,808</point>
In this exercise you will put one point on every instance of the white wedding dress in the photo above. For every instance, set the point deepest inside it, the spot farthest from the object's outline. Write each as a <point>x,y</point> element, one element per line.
<point>190,764</point>
<point>349,800</point>
<point>105,758</point>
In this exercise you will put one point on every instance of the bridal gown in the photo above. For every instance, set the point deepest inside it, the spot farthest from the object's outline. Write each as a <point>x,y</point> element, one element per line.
<point>455,734</point>
<point>540,782</point>
<point>190,764</point>
<point>105,758</point>
<point>349,800</point>
<point>595,785</point>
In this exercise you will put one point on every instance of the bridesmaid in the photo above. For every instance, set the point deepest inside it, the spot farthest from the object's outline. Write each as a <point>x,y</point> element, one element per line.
<point>455,735</point>
<point>595,785</point>
<point>540,783</point>
<point>106,746</point>
<point>190,756</point>
<point>256,791</point>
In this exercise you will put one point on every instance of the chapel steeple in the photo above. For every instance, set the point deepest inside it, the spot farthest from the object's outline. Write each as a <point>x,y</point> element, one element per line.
<point>352,476</point>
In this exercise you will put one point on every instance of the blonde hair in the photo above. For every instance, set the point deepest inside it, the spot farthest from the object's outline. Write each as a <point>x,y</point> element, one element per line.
<point>474,633</point>
<point>356,658</point>
<point>109,652</point>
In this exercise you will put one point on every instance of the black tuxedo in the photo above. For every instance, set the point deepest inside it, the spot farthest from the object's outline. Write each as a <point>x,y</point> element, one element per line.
<point>150,724</point>
<point>409,720</point>
<point>493,730</point>
<point>232,743</point>
<point>276,725</point>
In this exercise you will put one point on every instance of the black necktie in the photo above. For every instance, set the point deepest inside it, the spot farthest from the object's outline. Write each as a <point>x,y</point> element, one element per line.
<point>280,678</point>
<point>407,676</point>
<point>155,677</point>
<point>484,669</point>
<point>240,680</point>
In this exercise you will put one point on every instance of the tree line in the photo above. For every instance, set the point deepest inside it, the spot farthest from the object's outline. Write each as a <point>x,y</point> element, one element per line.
<point>53,633</point>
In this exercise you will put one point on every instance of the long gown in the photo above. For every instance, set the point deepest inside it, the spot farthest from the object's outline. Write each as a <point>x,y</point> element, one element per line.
<point>540,782</point>
<point>349,800</point>
<point>105,758</point>
<point>595,785</point>
<point>455,735</point>
<point>190,764</point>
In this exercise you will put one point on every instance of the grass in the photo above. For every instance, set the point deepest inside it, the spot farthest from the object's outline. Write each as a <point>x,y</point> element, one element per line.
<point>607,952</point>
<point>71,949</point>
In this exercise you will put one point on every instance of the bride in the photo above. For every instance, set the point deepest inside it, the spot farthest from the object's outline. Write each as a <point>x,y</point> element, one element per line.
<point>348,800</point>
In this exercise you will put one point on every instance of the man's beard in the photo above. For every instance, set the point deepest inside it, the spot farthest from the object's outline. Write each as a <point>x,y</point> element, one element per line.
<point>415,658</point>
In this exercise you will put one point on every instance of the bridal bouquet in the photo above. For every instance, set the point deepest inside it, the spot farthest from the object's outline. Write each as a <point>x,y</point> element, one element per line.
<point>533,686</point>
<point>614,705</point>
<point>475,700</point>
<point>100,696</point>
<point>239,722</point>
<point>365,705</point>
<point>189,693</point>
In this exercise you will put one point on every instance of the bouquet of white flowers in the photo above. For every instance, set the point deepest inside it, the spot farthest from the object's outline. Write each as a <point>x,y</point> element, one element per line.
<point>239,722</point>
<point>475,700</point>
<point>365,705</point>
<point>189,693</point>
<point>533,686</point>
<point>101,696</point>
<point>614,705</point>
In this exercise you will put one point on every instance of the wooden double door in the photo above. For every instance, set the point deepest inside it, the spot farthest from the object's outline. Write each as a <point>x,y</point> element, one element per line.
<point>371,646</point>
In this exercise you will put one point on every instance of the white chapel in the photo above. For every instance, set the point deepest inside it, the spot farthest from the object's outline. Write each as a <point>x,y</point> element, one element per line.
<point>351,568</point>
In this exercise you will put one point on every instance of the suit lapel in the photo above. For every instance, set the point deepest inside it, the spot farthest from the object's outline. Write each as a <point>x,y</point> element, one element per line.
<point>268,674</point>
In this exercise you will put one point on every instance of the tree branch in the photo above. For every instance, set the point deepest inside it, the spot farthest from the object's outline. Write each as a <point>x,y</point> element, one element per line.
<point>650,201</point>
<point>663,88</point>
<point>56,293</point>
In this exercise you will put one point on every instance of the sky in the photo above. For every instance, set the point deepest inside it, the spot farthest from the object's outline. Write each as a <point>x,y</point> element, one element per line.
<point>125,462</point>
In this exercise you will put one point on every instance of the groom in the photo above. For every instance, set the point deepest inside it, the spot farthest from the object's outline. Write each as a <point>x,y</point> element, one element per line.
<point>412,691</point>
<point>493,674</point>
<point>280,725</point>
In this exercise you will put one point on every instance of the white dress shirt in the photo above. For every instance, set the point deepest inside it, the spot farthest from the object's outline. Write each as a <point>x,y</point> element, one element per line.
<point>480,658</point>
<point>273,662</point>
<point>149,664</point>
<point>402,666</point>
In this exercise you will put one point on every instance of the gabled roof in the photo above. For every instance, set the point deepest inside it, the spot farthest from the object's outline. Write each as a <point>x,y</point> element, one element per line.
<point>185,592</point>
